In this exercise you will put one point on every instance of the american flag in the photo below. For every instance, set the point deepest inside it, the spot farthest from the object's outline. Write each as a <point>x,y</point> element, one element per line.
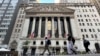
<point>65,35</point>
<point>32,35</point>
<point>48,35</point>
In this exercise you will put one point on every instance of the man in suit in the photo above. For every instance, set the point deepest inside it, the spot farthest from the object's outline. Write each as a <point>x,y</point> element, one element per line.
<point>86,44</point>
<point>47,43</point>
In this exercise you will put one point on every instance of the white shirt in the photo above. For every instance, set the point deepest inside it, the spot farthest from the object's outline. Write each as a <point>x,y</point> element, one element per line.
<point>69,47</point>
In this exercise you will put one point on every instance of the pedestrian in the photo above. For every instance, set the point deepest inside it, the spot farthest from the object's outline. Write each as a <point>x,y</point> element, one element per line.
<point>73,40</point>
<point>86,44</point>
<point>70,46</point>
<point>47,43</point>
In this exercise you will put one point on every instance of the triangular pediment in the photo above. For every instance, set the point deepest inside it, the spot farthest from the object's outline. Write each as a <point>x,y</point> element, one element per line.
<point>49,8</point>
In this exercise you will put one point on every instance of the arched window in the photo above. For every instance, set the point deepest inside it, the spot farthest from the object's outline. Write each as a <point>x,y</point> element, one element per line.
<point>34,42</point>
<point>41,42</point>
<point>57,43</point>
<point>65,43</point>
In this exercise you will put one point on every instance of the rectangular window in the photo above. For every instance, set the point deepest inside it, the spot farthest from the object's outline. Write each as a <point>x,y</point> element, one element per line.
<point>87,15</point>
<point>20,25</point>
<point>78,20</point>
<point>83,24</point>
<point>86,20</point>
<point>85,30</point>
<point>81,30</point>
<point>17,25</point>
<point>77,15</point>
<point>80,24</point>
<point>95,24</point>
<point>83,35</point>
<point>91,24</point>
<point>95,35</point>
<point>90,30</point>
<point>18,30</point>
<point>92,36</point>
<point>87,24</point>
<point>81,20</point>
<point>85,10</point>
<point>98,30</point>
<point>84,15</point>
<point>80,15</point>
<point>93,30</point>
<point>90,10</point>
<point>15,30</point>
<point>87,36</point>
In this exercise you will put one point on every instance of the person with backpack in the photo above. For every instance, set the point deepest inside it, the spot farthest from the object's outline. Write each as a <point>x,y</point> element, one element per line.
<point>47,43</point>
<point>86,44</point>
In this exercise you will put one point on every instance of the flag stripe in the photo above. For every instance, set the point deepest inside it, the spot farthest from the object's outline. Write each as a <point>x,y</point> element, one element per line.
<point>32,35</point>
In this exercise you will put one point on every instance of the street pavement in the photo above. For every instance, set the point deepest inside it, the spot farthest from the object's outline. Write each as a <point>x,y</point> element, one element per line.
<point>72,55</point>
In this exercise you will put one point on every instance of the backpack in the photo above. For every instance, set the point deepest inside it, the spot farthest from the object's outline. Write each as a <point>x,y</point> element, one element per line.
<point>87,42</point>
<point>49,42</point>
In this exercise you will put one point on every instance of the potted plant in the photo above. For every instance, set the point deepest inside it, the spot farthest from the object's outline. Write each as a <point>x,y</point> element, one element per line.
<point>26,42</point>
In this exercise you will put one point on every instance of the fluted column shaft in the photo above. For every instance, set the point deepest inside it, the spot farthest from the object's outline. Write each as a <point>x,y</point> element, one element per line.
<point>46,30</point>
<point>65,25</point>
<point>53,34</point>
<point>39,30</point>
<point>59,27</point>
<point>33,26</point>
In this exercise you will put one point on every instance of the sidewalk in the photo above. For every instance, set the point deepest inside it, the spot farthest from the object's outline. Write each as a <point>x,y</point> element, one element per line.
<point>70,55</point>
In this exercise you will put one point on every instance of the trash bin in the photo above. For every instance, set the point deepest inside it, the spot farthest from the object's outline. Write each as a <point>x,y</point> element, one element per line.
<point>97,46</point>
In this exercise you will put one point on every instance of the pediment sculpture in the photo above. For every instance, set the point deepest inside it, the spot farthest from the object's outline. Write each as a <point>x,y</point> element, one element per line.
<point>49,8</point>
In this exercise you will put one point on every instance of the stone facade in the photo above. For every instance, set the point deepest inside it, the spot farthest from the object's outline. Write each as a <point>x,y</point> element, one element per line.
<point>57,20</point>
<point>97,4</point>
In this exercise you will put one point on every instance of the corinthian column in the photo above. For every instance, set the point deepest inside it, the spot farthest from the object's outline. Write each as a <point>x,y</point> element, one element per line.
<point>46,31</point>
<point>39,30</point>
<point>53,34</point>
<point>33,26</point>
<point>59,27</point>
<point>65,25</point>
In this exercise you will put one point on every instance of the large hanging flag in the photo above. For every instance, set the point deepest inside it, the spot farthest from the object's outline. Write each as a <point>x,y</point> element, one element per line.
<point>48,35</point>
<point>65,35</point>
<point>32,35</point>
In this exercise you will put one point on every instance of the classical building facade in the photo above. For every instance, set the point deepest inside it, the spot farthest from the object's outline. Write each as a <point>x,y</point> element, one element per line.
<point>77,19</point>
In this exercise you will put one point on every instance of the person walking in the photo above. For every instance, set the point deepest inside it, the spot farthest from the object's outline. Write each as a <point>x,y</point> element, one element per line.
<point>47,43</point>
<point>86,44</point>
<point>70,46</point>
